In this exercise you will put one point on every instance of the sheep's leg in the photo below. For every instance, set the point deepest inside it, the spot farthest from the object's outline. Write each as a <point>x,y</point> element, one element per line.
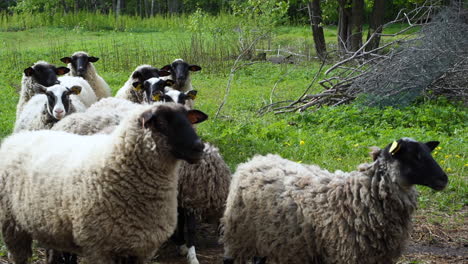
<point>259,260</point>
<point>191,227</point>
<point>54,257</point>
<point>70,258</point>
<point>18,242</point>
<point>179,237</point>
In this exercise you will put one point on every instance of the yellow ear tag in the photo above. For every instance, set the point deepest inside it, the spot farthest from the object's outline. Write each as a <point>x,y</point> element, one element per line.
<point>138,88</point>
<point>394,148</point>
<point>192,96</point>
<point>157,97</point>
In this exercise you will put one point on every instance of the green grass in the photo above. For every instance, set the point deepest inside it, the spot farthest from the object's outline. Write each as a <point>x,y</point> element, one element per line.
<point>334,138</point>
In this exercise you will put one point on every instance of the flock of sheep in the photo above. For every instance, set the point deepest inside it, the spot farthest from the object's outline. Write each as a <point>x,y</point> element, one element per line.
<point>110,179</point>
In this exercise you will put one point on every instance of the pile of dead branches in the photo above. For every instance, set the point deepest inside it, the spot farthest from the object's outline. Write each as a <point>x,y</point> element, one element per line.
<point>429,63</point>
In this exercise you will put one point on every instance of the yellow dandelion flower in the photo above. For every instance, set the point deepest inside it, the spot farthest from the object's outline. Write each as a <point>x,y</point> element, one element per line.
<point>449,169</point>
<point>338,158</point>
<point>439,148</point>
<point>466,165</point>
<point>301,142</point>
<point>442,161</point>
<point>447,156</point>
<point>435,153</point>
<point>457,156</point>
<point>356,145</point>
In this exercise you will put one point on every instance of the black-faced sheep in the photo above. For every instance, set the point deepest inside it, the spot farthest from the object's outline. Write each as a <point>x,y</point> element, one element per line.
<point>42,73</point>
<point>180,74</point>
<point>81,65</point>
<point>139,75</point>
<point>287,212</point>
<point>48,106</point>
<point>100,196</point>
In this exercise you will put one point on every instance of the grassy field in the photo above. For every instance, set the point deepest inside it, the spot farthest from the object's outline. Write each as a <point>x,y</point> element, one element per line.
<point>334,138</point>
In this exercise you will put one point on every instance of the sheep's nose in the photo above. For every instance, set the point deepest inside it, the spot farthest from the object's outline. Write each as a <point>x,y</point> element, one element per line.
<point>58,111</point>
<point>198,146</point>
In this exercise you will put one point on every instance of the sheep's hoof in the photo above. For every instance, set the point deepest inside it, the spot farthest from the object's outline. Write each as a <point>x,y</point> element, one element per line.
<point>192,256</point>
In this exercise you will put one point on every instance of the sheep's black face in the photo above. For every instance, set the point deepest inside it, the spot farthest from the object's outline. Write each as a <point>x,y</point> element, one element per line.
<point>80,62</point>
<point>416,164</point>
<point>45,74</point>
<point>176,124</point>
<point>180,71</point>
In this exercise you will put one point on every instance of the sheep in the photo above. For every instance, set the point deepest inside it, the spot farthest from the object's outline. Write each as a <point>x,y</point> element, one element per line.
<point>180,73</point>
<point>292,213</point>
<point>203,190</point>
<point>42,73</point>
<point>49,105</point>
<point>140,74</point>
<point>108,112</point>
<point>101,196</point>
<point>81,65</point>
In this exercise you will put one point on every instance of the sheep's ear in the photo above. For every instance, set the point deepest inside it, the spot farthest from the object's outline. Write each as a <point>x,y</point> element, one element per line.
<point>169,82</point>
<point>432,144</point>
<point>28,71</point>
<point>62,70</point>
<point>75,89</point>
<point>166,68</point>
<point>194,67</point>
<point>157,96</point>
<point>196,116</point>
<point>137,86</point>
<point>145,118</point>
<point>93,59</point>
<point>39,89</point>
<point>192,94</point>
<point>66,60</point>
<point>375,152</point>
<point>163,73</point>
<point>395,147</point>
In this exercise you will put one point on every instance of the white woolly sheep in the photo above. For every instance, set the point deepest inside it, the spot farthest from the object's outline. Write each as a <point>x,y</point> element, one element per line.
<point>139,75</point>
<point>292,213</point>
<point>101,196</point>
<point>42,73</point>
<point>49,105</point>
<point>81,65</point>
<point>180,73</point>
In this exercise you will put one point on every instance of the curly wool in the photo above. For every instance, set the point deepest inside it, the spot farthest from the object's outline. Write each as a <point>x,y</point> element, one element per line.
<point>128,92</point>
<point>204,186</point>
<point>99,85</point>
<point>108,112</point>
<point>110,194</point>
<point>295,213</point>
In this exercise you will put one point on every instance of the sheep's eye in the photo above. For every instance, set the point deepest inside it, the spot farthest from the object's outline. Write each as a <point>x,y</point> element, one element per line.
<point>168,99</point>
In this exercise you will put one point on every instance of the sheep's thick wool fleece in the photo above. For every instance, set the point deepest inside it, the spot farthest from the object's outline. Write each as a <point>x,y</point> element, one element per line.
<point>293,213</point>
<point>110,194</point>
<point>204,186</point>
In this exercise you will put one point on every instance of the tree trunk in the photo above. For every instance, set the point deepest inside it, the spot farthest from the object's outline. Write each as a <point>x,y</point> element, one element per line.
<point>118,7</point>
<point>375,24</point>
<point>357,18</point>
<point>315,18</point>
<point>344,25</point>
<point>152,7</point>
<point>65,7</point>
